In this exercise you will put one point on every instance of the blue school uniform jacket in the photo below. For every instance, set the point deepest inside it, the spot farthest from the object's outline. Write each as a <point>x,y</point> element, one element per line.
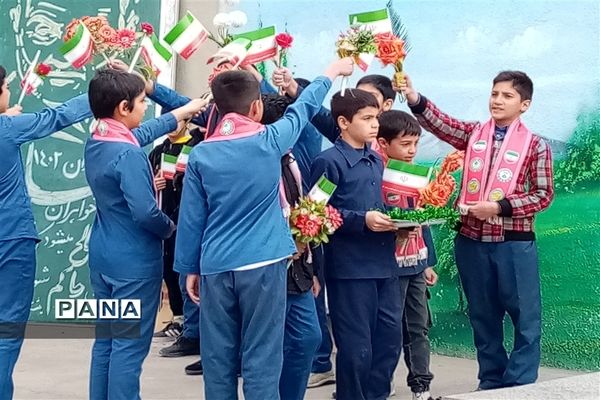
<point>126,238</point>
<point>16,217</point>
<point>354,251</point>
<point>230,214</point>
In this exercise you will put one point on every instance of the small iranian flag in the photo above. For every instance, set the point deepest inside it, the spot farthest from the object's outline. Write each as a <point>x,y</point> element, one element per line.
<point>183,158</point>
<point>168,166</point>
<point>263,46</point>
<point>402,181</point>
<point>187,36</point>
<point>31,82</point>
<point>235,52</point>
<point>378,21</point>
<point>155,55</point>
<point>79,50</point>
<point>322,190</point>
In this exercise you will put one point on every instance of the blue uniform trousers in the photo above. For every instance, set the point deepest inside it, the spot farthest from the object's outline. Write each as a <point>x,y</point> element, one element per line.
<point>17,273</point>
<point>366,317</point>
<point>243,313</point>
<point>501,278</point>
<point>301,339</point>
<point>117,360</point>
<point>322,360</point>
<point>191,313</point>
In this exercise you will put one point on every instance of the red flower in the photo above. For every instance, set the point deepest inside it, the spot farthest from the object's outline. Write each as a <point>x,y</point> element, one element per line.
<point>333,217</point>
<point>43,69</point>
<point>147,28</point>
<point>125,38</point>
<point>308,224</point>
<point>284,40</point>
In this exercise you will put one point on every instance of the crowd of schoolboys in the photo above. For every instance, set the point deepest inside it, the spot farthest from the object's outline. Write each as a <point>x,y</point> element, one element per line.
<point>241,290</point>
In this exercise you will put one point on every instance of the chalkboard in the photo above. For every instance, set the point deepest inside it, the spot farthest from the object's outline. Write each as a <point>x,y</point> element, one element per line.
<point>62,203</point>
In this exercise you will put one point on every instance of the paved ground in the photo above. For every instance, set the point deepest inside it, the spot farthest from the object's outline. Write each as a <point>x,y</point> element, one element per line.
<point>57,369</point>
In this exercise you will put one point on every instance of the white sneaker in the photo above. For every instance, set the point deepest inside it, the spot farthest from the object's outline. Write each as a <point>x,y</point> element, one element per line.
<point>392,388</point>
<point>320,379</point>
<point>421,396</point>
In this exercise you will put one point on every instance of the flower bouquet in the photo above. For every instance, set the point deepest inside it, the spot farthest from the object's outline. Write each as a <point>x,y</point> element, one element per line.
<point>312,222</point>
<point>359,43</point>
<point>431,205</point>
<point>391,51</point>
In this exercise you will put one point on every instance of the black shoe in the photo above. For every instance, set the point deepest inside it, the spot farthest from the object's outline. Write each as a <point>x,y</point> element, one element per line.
<point>182,347</point>
<point>194,369</point>
<point>172,330</point>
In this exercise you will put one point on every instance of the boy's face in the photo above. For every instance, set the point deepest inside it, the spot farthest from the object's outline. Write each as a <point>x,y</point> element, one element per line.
<point>133,119</point>
<point>403,148</point>
<point>4,97</point>
<point>364,125</point>
<point>384,105</point>
<point>506,104</point>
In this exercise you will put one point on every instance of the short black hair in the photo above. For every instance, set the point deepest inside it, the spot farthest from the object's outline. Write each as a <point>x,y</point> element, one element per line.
<point>382,83</point>
<point>395,123</point>
<point>109,87</point>
<point>2,77</point>
<point>274,107</point>
<point>520,81</point>
<point>234,91</point>
<point>352,101</point>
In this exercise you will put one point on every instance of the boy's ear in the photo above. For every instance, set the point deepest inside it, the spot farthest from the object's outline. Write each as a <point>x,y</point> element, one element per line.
<point>256,110</point>
<point>343,122</point>
<point>123,108</point>
<point>387,105</point>
<point>382,142</point>
<point>525,105</point>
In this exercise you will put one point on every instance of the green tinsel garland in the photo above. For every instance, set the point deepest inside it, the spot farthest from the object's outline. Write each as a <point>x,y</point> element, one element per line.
<point>429,213</point>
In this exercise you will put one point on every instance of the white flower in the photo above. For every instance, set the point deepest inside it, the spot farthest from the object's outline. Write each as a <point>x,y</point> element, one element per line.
<point>222,20</point>
<point>238,18</point>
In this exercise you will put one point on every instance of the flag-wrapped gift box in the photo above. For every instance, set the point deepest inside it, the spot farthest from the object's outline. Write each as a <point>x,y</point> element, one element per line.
<point>402,182</point>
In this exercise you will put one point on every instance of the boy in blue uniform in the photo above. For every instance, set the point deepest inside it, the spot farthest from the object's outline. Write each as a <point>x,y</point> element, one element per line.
<point>18,235</point>
<point>125,255</point>
<point>398,137</point>
<point>365,292</point>
<point>232,232</point>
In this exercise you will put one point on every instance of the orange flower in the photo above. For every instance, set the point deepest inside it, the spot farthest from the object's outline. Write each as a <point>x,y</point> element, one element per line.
<point>438,192</point>
<point>390,49</point>
<point>453,162</point>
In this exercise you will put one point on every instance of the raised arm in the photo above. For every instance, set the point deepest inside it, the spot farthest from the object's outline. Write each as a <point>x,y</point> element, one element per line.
<point>26,127</point>
<point>153,129</point>
<point>192,220</point>
<point>451,130</point>
<point>306,106</point>
<point>136,185</point>
<point>157,127</point>
<point>169,100</point>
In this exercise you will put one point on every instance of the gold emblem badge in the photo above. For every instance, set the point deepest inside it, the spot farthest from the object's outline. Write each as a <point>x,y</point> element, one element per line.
<point>496,195</point>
